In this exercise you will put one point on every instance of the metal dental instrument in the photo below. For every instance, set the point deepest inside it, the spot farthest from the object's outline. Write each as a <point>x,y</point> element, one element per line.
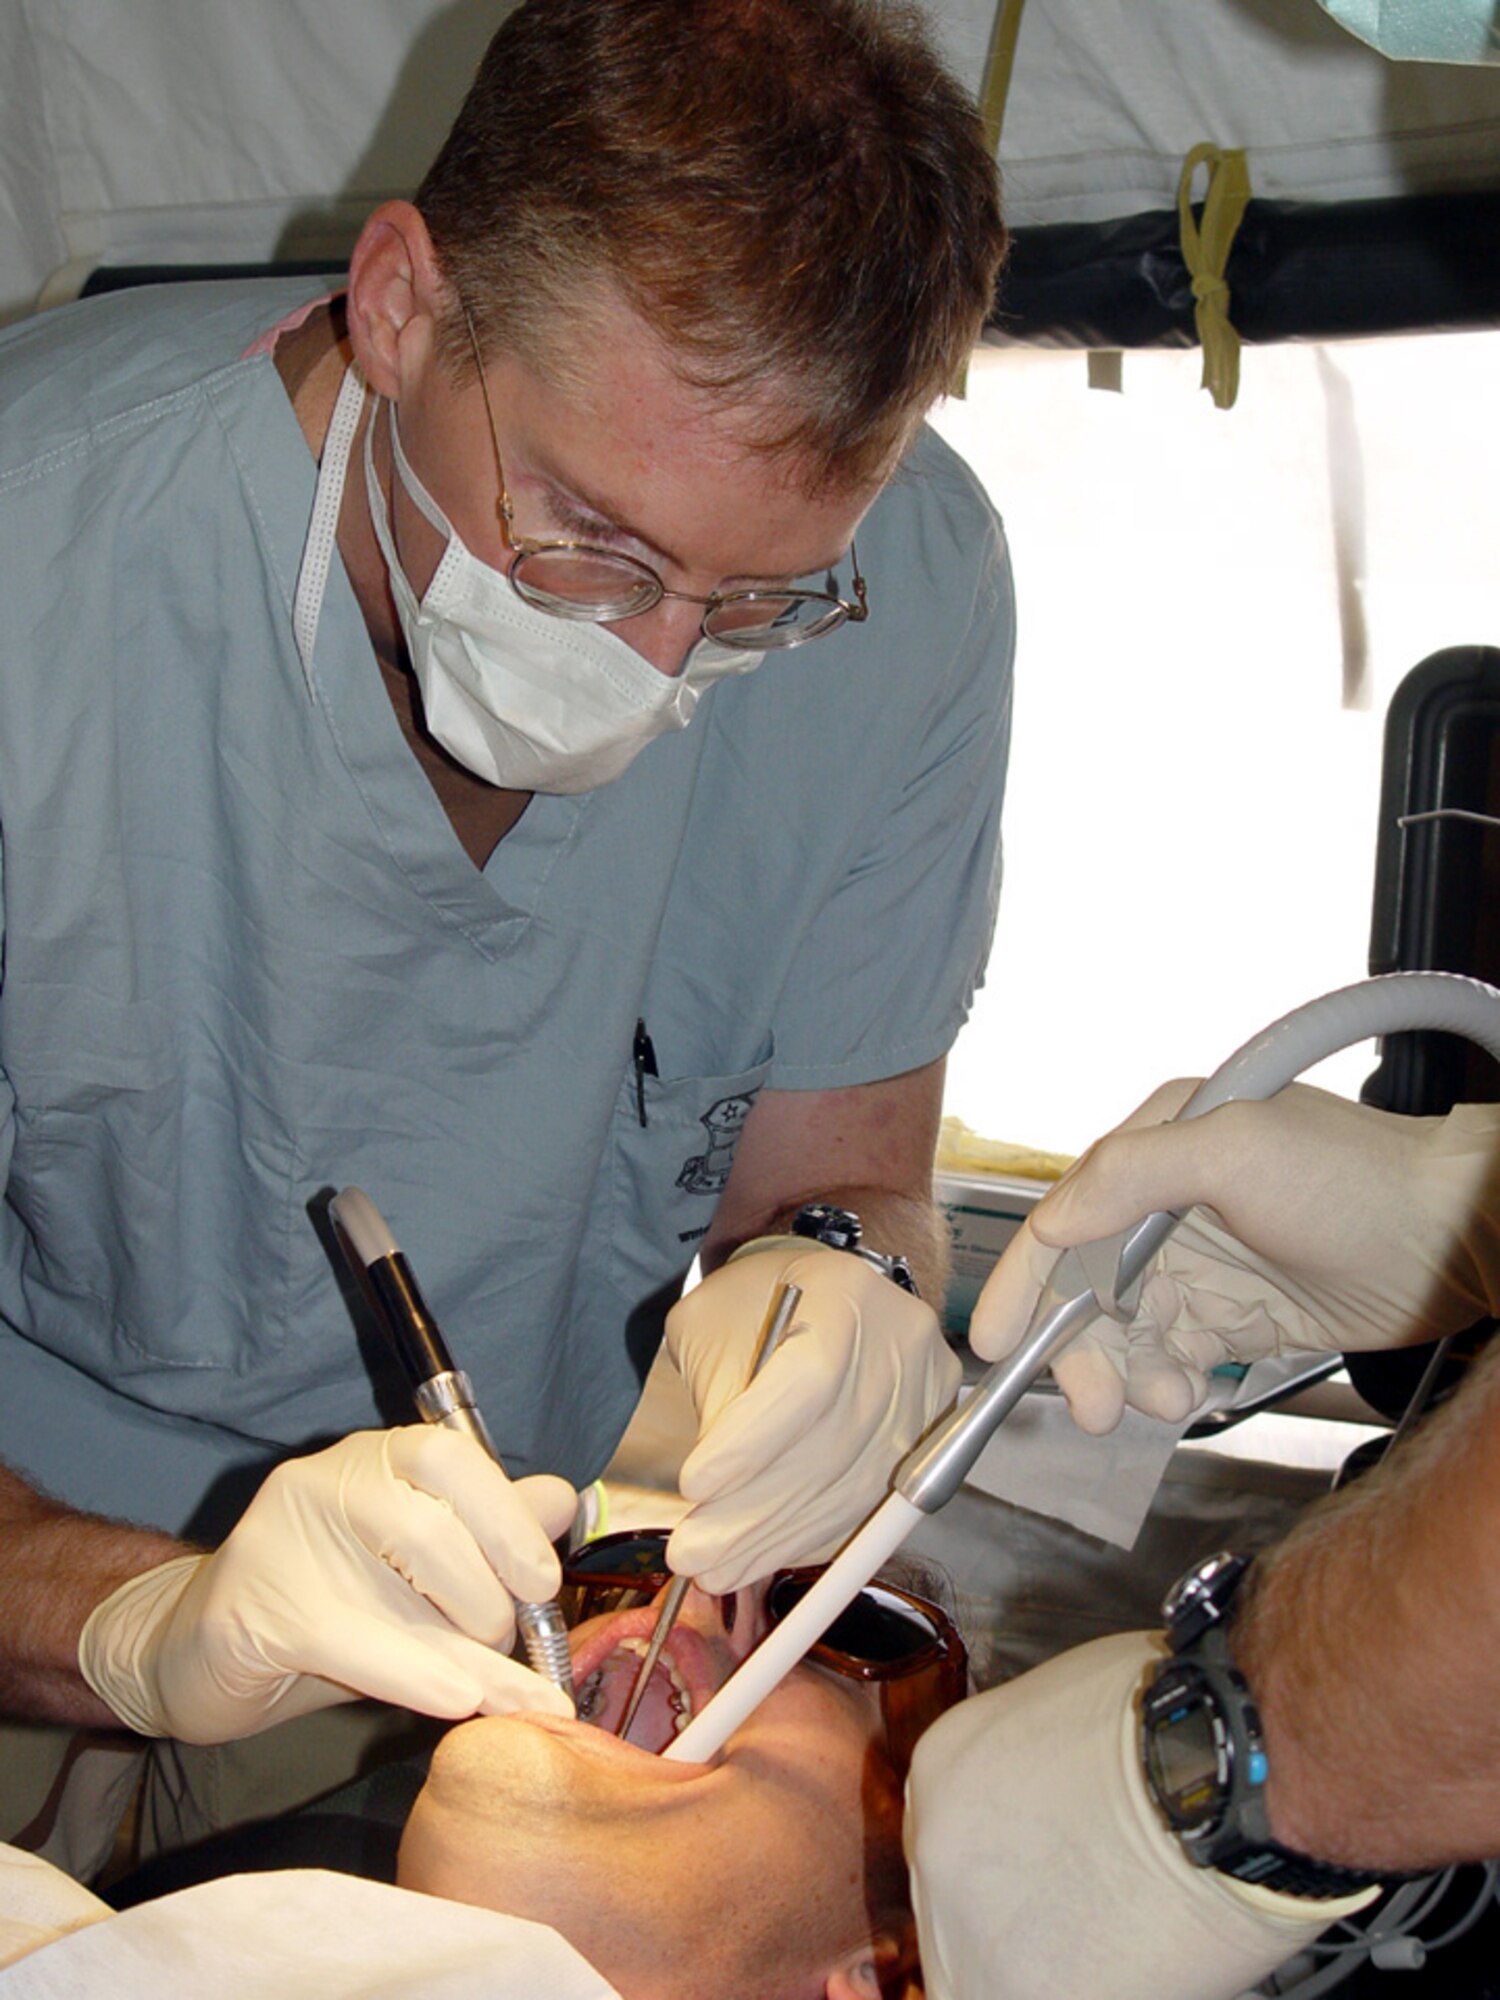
<point>932,1472</point>
<point>784,1303</point>
<point>442,1393</point>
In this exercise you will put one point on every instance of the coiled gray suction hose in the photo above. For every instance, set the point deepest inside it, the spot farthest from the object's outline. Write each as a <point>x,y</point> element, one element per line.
<point>931,1474</point>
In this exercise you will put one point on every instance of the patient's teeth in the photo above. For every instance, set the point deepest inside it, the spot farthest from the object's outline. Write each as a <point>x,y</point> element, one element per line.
<point>684,1702</point>
<point>680,1700</point>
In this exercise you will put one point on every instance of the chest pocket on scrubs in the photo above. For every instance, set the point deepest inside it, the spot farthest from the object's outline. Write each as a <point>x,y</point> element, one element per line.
<point>674,1143</point>
<point>119,1189</point>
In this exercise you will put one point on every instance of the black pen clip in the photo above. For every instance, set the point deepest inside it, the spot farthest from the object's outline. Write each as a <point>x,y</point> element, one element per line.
<point>643,1060</point>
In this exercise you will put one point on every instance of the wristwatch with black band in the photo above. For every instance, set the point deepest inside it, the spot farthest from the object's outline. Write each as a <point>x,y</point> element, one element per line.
<point>1204,1751</point>
<point>840,1229</point>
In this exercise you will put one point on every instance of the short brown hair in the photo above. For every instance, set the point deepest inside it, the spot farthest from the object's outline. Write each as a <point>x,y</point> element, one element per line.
<point>794,195</point>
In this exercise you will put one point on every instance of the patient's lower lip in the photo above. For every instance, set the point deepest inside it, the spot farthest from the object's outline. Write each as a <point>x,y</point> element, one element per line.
<point>589,1741</point>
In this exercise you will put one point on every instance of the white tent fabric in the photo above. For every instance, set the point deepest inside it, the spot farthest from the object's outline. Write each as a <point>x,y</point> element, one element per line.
<point>209,131</point>
<point>205,131</point>
<point>1109,96</point>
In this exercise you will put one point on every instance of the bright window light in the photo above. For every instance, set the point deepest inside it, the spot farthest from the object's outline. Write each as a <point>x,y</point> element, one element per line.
<point>1214,609</point>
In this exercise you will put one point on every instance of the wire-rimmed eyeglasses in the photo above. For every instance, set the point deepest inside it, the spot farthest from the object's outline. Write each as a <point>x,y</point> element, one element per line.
<point>887,1637</point>
<point>599,586</point>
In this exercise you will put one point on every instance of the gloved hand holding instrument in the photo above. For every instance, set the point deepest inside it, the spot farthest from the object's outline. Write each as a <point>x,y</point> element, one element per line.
<point>786,1466</point>
<point>1323,1226</point>
<point>391,1565</point>
<point>387,1566</point>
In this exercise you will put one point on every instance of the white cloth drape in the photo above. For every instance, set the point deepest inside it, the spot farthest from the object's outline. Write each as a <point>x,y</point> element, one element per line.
<point>298,1934</point>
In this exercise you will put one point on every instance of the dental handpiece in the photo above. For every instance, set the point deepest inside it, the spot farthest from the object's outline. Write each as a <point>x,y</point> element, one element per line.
<point>441,1391</point>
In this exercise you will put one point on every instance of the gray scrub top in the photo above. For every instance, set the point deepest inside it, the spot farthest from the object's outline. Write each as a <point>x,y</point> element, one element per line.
<point>247,962</point>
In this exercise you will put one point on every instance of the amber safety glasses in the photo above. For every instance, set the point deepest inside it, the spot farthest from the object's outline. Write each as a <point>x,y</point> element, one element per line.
<point>888,1637</point>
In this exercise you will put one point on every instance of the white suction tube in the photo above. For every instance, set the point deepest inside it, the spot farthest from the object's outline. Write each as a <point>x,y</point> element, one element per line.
<point>1398,1003</point>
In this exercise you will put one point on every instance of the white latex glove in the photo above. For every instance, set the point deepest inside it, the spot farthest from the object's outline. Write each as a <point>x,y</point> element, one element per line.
<point>1040,1867</point>
<point>1327,1226</point>
<point>785,1467</point>
<point>385,1566</point>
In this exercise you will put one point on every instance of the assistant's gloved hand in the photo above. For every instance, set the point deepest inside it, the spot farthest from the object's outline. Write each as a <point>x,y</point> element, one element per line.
<point>1326,1225</point>
<point>784,1468</point>
<point>1040,1867</point>
<point>387,1566</point>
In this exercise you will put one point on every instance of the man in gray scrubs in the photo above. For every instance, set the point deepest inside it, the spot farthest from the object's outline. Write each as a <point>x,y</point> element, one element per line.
<point>524,734</point>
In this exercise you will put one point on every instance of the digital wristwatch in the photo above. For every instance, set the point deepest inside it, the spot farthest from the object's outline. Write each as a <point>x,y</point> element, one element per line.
<point>840,1229</point>
<point>1204,1751</point>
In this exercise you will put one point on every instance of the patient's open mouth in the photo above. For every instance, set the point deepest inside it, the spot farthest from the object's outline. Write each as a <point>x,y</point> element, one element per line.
<point>605,1670</point>
<point>666,1707</point>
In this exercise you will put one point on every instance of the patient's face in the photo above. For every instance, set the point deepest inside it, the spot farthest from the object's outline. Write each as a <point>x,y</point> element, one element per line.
<point>661,1872</point>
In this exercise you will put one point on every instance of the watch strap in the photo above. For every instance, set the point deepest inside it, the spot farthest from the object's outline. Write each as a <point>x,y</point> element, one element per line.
<point>1272,1866</point>
<point>1199,1610</point>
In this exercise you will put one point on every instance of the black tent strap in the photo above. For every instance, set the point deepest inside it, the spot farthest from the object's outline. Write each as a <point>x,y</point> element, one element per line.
<point>1298,271</point>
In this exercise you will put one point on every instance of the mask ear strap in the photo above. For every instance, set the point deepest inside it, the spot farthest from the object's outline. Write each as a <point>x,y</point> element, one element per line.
<point>322,533</point>
<point>414,487</point>
<point>380,518</point>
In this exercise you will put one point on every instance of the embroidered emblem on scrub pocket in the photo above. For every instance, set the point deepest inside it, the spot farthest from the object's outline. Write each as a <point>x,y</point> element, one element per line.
<point>708,1172</point>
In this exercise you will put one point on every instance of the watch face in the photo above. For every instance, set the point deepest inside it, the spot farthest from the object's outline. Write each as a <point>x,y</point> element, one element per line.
<point>1186,1745</point>
<point>1185,1752</point>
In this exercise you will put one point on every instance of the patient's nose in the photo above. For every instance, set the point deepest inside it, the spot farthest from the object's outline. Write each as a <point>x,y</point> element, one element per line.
<point>741,1616</point>
<point>713,1617</point>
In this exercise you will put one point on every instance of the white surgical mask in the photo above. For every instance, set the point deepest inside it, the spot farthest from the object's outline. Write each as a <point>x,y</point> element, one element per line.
<point>526,700</point>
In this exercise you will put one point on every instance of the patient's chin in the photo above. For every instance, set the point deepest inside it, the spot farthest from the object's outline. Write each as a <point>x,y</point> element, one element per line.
<point>487,1798</point>
<point>422,1861</point>
<point>478,1764</point>
<point>665,1709</point>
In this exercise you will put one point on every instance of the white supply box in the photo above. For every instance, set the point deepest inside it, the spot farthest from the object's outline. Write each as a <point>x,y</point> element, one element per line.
<point>984,1211</point>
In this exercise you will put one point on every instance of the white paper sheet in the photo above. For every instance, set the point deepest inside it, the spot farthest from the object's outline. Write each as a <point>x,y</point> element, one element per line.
<point>1040,1460</point>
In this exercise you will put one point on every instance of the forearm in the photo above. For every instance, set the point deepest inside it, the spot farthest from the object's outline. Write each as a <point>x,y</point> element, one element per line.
<point>55,1566</point>
<point>869,1148</point>
<point>1369,1639</point>
<point>901,1225</point>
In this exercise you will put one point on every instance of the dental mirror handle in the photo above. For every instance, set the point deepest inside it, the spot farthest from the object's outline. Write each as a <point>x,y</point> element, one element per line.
<point>442,1392</point>
<point>666,1618</point>
<point>784,1303</point>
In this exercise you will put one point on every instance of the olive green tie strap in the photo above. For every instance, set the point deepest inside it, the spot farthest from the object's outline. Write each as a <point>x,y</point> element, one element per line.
<point>993,92</point>
<point>1205,251</point>
<point>998,65</point>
